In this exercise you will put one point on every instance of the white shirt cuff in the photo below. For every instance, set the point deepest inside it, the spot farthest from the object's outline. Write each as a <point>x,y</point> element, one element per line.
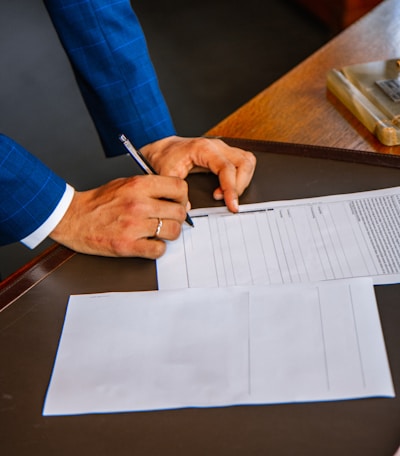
<point>41,233</point>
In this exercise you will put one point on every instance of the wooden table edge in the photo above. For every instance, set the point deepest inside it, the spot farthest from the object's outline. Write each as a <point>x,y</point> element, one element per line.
<point>32,273</point>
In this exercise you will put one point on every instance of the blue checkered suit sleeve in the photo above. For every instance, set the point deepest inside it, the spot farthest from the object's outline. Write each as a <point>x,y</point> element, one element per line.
<point>29,192</point>
<point>106,46</point>
<point>107,49</point>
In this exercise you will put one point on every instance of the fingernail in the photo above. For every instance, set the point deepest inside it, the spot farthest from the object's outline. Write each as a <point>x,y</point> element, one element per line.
<point>235,204</point>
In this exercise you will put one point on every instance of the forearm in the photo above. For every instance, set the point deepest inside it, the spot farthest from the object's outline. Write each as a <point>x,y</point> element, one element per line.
<point>29,194</point>
<point>108,52</point>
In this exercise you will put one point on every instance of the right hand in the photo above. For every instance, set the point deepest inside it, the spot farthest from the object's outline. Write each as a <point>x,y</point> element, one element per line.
<point>120,218</point>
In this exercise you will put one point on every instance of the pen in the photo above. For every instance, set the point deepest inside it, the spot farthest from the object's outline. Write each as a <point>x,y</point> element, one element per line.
<point>144,165</point>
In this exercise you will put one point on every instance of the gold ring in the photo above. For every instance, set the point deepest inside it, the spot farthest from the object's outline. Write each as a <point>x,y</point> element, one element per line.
<point>160,223</point>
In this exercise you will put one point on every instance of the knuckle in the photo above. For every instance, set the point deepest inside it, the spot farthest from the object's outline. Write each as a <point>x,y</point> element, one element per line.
<point>248,161</point>
<point>119,246</point>
<point>133,182</point>
<point>251,158</point>
<point>151,249</point>
<point>134,210</point>
<point>184,185</point>
<point>182,213</point>
<point>199,142</point>
<point>180,185</point>
<point>175,230</point>
<point>159,248</point>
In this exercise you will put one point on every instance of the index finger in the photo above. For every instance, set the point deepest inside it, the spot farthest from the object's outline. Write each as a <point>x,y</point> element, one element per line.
<point>245,164</point>
<point>169,188</point>
<point>235,174</point>
<point>228,181</point>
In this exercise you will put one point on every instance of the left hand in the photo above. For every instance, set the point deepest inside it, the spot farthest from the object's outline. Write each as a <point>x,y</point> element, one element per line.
<point>177,156</point>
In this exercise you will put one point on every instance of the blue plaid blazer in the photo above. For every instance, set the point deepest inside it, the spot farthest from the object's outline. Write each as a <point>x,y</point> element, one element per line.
<point>107,49</point>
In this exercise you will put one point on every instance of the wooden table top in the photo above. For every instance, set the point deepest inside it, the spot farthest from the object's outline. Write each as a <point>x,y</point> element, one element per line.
<point>298,108</point>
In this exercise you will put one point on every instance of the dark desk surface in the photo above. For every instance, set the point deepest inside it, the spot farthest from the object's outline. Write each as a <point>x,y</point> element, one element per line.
<point>31,326</point>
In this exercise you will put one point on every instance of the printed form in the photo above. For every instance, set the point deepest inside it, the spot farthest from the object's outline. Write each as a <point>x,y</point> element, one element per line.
<point>307,240</point>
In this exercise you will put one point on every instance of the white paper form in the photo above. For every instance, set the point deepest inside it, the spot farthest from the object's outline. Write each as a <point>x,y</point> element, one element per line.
<point>151,350</point>
<point>218,347</point>
<point>316,342</point>
<point>334,237</point>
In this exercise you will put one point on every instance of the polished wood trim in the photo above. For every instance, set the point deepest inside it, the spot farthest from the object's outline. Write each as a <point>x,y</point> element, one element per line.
<point>308,150</point>
<point>32,273</point>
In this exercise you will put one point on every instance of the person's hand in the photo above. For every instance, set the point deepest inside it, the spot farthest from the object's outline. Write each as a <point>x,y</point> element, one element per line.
<point>177,156</point>
<point>121,218</point>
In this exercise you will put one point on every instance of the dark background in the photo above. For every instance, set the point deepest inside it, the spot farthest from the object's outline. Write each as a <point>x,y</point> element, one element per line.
<point>211,57</point>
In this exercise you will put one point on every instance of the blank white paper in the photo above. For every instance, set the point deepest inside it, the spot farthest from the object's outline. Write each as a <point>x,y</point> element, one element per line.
<point>151,350</point>
<point>298,241</point>
<point>317,342</point>
<point>219,346</point>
